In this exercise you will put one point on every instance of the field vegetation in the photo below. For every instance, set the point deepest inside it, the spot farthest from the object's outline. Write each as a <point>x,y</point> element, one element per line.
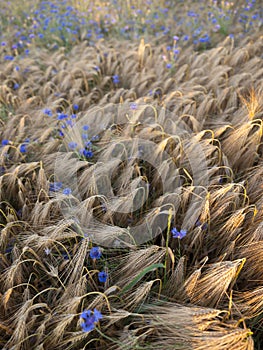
<point>131,175</point>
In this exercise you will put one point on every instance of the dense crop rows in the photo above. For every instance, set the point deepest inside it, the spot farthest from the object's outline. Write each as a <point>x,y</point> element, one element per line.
<point>131,175</point>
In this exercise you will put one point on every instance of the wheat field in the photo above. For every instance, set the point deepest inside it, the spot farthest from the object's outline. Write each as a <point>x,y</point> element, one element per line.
<point>131,177</point>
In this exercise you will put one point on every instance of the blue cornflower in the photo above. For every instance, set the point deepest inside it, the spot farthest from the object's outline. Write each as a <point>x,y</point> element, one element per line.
<point>102,276</point>
<point>16,86</point>
<point>72,145</point>
<point>70,122</point>
<point>95,137</point>
<point>178,234</point>
<point>191,14</point>
<point>87,153</point>
<point>9,248</point>
<point>47,251</point>
<point>76,107</point>
<point>204,39</point>
<point>176,38</point>
<point>2,170</point>
<point>67,191</point>
<point>65,256</point>
<point>5,142</point>
<point>104,207</point>
<point>169,65</point>
<point>22,148</point>
<point>85,127</point>
<point>186,37</point>
<point>48,112</point>
<point>88,143</point>
<point>3,43</point>
<point>95,253</point>
<point>133,106</point>
<point>89,319</point>
<point>61,116</point>
<point>203,226</point>
<point>115,79</point>
<point>8,58</point>
<point>55,186</point>
<point>198,223</point>
<point>221,180</point>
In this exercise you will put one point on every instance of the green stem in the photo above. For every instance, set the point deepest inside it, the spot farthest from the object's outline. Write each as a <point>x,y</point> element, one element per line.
<point>167,243</point>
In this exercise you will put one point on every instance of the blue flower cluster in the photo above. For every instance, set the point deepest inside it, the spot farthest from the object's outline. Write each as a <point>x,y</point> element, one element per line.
<point>65,121</point>
<point>22,147</point>
<point>55,24</point>
<point>5,142</point>
<point>85,151</point>
<point>56,186</point>
<point>178,234</point>
<point>89,319</point>
<point>102,276</point>
<point>95,253</point>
